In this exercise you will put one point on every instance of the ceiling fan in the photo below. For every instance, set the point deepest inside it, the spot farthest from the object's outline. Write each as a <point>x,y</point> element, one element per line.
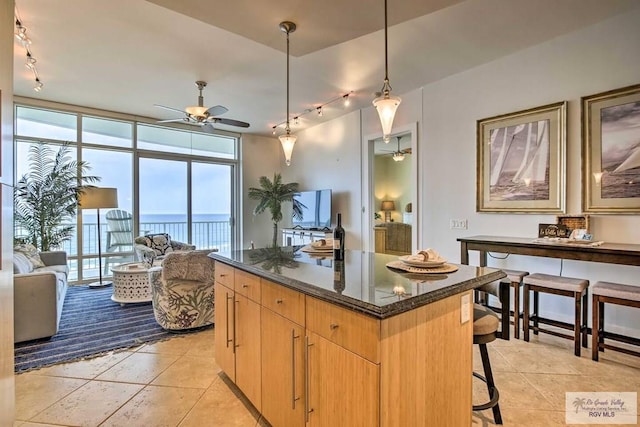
<point>203,116</point>
<point>398,155</point>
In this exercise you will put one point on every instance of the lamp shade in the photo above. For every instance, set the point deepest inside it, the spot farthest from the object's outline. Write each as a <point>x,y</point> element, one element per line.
<point>98,198</point>
<point>388,205</point>
<point>288,141</point>
<point>386,107</point>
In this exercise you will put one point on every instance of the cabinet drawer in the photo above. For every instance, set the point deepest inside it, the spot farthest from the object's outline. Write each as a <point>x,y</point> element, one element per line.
<point>248,285</point>
<point>284,301</point>
<point>353,331</point>
<point>224,274</point>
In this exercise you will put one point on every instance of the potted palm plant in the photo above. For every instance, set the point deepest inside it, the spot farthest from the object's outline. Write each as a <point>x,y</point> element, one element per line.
<point>46,197</point>
<point>271,195</point>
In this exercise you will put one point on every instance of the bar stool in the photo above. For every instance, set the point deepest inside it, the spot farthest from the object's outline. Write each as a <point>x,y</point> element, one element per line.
<point>558,285</point>
<point>485,326</point>
<point>611,293</point>
<point>498,288</point>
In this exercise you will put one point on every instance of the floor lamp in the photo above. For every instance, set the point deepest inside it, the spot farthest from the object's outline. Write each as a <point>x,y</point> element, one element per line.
<point>98,198</point>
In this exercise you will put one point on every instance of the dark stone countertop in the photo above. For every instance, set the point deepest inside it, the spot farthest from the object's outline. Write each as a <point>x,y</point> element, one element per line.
<point>368,284</point>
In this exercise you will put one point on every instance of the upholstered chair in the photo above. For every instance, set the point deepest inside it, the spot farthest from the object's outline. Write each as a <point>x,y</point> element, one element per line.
<point>153,246</point>
<point>182,290</point>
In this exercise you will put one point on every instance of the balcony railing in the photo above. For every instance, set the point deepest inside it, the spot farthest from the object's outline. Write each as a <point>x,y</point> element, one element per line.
<point>204,235</point>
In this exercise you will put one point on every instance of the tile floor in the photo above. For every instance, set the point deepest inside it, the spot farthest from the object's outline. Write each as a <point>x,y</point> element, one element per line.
<point>176,383</point>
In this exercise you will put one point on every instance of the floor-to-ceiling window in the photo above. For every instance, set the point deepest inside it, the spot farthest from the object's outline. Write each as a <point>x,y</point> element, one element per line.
<point>169,180</point>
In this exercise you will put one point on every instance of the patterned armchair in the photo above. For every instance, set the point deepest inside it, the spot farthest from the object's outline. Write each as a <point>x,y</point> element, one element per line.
<point>152,246</point>
<point>182,290</point>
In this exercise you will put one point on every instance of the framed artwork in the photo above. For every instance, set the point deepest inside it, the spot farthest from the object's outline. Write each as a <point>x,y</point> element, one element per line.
<point>611,151</point>
<point>521,161</point>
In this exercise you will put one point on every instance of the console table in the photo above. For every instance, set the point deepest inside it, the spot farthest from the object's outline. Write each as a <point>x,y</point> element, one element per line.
<point>611,253</point>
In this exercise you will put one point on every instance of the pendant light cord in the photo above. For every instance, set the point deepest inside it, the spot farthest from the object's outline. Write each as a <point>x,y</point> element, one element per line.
<point>288,130</point>
<point>386,60</point>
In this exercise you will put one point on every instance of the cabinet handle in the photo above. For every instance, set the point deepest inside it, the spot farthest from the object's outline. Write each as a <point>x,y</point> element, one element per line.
<point>293,369</point>
<point>334,326</point>
<point>307,409</point>
<point>227,312</point>
<point>235,341</point>
<point>279,301</point>
<point>244,286</point>
<point>223,275</point>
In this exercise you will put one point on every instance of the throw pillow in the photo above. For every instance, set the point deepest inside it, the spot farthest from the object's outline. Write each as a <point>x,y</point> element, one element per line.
<point>31,253</point>
<point>21,264</point>
<point>160,243</point>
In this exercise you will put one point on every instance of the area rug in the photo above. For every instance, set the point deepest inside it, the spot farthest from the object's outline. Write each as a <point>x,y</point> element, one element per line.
<point>91,325</point>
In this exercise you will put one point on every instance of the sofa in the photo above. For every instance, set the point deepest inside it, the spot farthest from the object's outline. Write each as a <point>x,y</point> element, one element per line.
<point>39,292</point>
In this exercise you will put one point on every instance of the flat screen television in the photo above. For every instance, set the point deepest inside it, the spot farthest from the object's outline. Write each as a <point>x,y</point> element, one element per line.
<point>316,213</point>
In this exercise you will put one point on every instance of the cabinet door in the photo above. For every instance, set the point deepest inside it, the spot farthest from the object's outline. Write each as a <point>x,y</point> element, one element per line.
<point>343,387</point>
<point>225,330</point>
<point>282,370</point>
<point>247,341</point>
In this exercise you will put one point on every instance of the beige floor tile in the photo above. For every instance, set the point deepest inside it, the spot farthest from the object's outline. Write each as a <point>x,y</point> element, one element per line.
<point>512,417</point>
<point>189,371</point>
<point>30,424</point>
<point>89,405</point>
<point>156,406</point>
<point>139,368</point>
<point>219,406</point>
<point>88,368</point>
<point>178,345</point>
<point>34,392</point>
<point>498,362</point>
<point>514,390</point>
<point>201,344</point>
<point>537,358</point>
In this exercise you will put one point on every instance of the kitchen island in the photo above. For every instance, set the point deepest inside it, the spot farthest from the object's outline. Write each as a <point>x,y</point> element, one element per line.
<point>310,340</point>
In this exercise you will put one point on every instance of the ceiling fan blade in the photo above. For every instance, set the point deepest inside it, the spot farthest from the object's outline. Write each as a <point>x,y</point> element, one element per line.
<point>184,119</point>
<point>169,108</point>
<point>230,122</point>
<point>208,128</point>
<point>217,110</point>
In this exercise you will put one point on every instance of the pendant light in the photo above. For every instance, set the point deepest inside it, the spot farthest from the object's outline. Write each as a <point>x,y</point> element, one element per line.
<point>386,104</point>
<point>287,140</point>
<point>398,156</point>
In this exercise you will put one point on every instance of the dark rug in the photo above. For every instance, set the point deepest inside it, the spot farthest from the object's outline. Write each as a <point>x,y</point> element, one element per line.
<point>91,324</point>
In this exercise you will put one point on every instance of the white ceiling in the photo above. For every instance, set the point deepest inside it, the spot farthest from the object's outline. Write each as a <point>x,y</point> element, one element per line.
<point>127,55</point>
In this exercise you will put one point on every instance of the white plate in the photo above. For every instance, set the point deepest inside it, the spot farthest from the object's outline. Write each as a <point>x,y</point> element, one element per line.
<point>318,244</point>
<point>424,264</point>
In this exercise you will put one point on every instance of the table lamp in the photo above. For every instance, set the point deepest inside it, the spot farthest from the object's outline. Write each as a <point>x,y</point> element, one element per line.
<point>98,198</point>
<point>387,207</point>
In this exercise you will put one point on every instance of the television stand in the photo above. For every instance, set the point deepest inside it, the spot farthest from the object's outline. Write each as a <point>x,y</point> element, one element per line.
<point>303,236</point>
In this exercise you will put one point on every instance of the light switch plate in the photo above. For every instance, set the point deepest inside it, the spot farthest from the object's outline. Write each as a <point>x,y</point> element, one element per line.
<point>465,308</point>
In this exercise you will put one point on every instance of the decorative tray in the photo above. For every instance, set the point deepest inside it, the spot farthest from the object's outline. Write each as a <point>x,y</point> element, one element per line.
<point>440,269</point>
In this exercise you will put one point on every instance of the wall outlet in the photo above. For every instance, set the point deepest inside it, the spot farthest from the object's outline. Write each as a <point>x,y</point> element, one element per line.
<point>459,224</point>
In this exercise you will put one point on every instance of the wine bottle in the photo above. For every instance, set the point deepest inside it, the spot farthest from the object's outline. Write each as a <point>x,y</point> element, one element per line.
<point>338,240</point>
<point>338,276</point>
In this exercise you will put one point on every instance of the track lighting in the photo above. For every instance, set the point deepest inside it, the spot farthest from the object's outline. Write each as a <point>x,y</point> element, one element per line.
<point>30,63</point>
<point>319,109</point>
<point>38,85</point>
<point>347,101</point>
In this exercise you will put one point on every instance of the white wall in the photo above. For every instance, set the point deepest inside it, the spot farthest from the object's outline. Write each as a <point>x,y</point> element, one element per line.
<point>598,58</point>
<point>6,224</point>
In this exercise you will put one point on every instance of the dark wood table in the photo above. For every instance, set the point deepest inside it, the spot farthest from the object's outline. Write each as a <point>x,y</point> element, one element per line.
<point>610,253</point>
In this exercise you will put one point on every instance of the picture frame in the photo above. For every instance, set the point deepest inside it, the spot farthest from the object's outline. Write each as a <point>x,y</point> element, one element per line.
<point>521,161</point>
<point>611,151</point>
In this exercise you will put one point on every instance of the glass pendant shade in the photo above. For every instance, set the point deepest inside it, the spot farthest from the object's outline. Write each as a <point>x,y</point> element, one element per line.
<point>288,141</point>
<point>398,157</point>
<point>386,107</point>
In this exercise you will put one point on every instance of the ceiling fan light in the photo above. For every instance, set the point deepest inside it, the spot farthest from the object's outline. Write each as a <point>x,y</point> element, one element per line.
<point>398,156</point>
<point>386,107</point>
<point>197,111</point>
<point>288,141</point>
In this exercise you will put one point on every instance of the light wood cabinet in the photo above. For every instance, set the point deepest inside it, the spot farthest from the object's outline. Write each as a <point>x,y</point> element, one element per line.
<point>283,386</point>
<point>343,388</point>
<point>224,344</point>
<point>247,342</point>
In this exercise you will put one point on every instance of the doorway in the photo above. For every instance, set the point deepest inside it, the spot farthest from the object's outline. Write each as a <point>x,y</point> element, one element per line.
<point>390,175</point>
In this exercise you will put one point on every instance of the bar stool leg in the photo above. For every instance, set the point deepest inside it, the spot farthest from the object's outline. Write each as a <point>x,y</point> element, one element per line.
<point>595,328</point>
<point>601,325</point>
<point>577,325</point>
<point>585,316</point>
<point>491,386</point>
<point>516,310</point>
<point>525,318</point>
<point>505,292</point>
<point>536,313</point>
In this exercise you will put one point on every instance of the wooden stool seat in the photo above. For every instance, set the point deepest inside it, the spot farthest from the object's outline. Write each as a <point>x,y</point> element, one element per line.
<point>498,288</point>
<point>611,293</point>
<point>485,326</point>
<point>557,285</point>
